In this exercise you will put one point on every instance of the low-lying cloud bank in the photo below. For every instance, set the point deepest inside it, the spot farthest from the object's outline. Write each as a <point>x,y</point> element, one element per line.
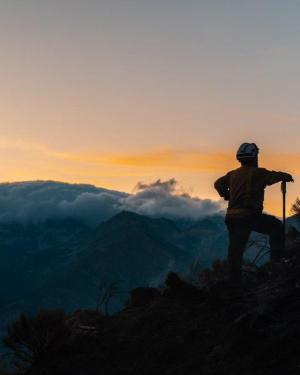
<point>37,201</point>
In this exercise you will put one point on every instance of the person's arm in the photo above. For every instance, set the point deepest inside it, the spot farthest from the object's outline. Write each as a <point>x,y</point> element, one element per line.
<point>221,185</point>
<point>273,177</point>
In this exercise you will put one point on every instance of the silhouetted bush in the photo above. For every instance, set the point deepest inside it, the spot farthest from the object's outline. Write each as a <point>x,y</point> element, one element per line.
<point>142,295</point>
<point>28,336</point>
<point>295,209</point>
<point>194,268</point>
<point>178,288</point>
<point>217,272</point>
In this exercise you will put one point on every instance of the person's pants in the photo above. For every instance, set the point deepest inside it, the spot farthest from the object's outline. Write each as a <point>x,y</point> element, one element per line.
<point>239,230</point>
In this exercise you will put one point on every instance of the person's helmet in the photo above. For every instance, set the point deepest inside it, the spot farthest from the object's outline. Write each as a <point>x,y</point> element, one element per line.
<point>247,151</point>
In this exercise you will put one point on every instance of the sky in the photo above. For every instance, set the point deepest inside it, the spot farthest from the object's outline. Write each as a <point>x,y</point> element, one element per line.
<point>116,92</point>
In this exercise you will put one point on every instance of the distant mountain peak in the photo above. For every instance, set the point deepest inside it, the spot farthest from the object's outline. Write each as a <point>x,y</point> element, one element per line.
<point>125,213</point>
<point>129,215</point>
<point>205,225</point>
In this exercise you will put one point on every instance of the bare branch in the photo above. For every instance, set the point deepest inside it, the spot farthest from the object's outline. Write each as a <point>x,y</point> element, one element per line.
<point>106,292</point>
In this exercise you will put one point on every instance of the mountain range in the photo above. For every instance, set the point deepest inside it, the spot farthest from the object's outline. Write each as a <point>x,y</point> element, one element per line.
<point>62,262</point>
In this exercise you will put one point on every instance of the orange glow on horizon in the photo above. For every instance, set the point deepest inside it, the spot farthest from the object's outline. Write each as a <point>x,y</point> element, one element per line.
<point>195,170</point>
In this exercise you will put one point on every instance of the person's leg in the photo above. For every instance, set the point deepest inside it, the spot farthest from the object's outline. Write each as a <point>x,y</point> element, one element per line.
<point>270,225</point>
<point>239,232</point>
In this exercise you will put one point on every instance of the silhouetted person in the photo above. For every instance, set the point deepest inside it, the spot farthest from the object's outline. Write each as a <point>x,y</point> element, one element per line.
<point>244,189</point>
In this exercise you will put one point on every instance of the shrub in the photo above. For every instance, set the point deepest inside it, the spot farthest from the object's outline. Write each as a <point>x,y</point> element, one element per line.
<point>295,209</point>
<point>142,295</point>
<point>218,272</point>
<point>28,336</point>
<point>194,268</point>
<point>178,288</point>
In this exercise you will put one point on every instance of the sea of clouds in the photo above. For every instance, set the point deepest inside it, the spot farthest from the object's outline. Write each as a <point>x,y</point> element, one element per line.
<point>37,201</point>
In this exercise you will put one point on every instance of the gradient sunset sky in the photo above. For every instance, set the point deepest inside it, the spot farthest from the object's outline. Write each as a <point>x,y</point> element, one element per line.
<point>112,92</point>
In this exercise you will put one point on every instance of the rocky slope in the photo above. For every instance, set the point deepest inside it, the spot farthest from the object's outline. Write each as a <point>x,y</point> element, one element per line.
<point>250,330</point>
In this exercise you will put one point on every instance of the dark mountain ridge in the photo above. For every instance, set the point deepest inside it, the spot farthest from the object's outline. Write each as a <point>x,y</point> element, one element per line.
<point>63,262</point>
<point>119,226</point>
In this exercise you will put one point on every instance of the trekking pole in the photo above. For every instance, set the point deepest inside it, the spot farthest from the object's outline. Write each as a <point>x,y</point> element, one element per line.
<point>283,190</point>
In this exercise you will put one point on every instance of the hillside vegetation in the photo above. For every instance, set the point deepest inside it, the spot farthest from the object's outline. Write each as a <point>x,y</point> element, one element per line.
<point>215,330</point>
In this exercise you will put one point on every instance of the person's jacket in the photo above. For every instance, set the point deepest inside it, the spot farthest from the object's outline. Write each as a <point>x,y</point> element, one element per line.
<point>244,188</point>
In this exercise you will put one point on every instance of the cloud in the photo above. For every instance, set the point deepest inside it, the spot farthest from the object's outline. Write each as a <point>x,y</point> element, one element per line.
<point>37,201</point>
<point>167,200</point>
<point>167,186</point>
